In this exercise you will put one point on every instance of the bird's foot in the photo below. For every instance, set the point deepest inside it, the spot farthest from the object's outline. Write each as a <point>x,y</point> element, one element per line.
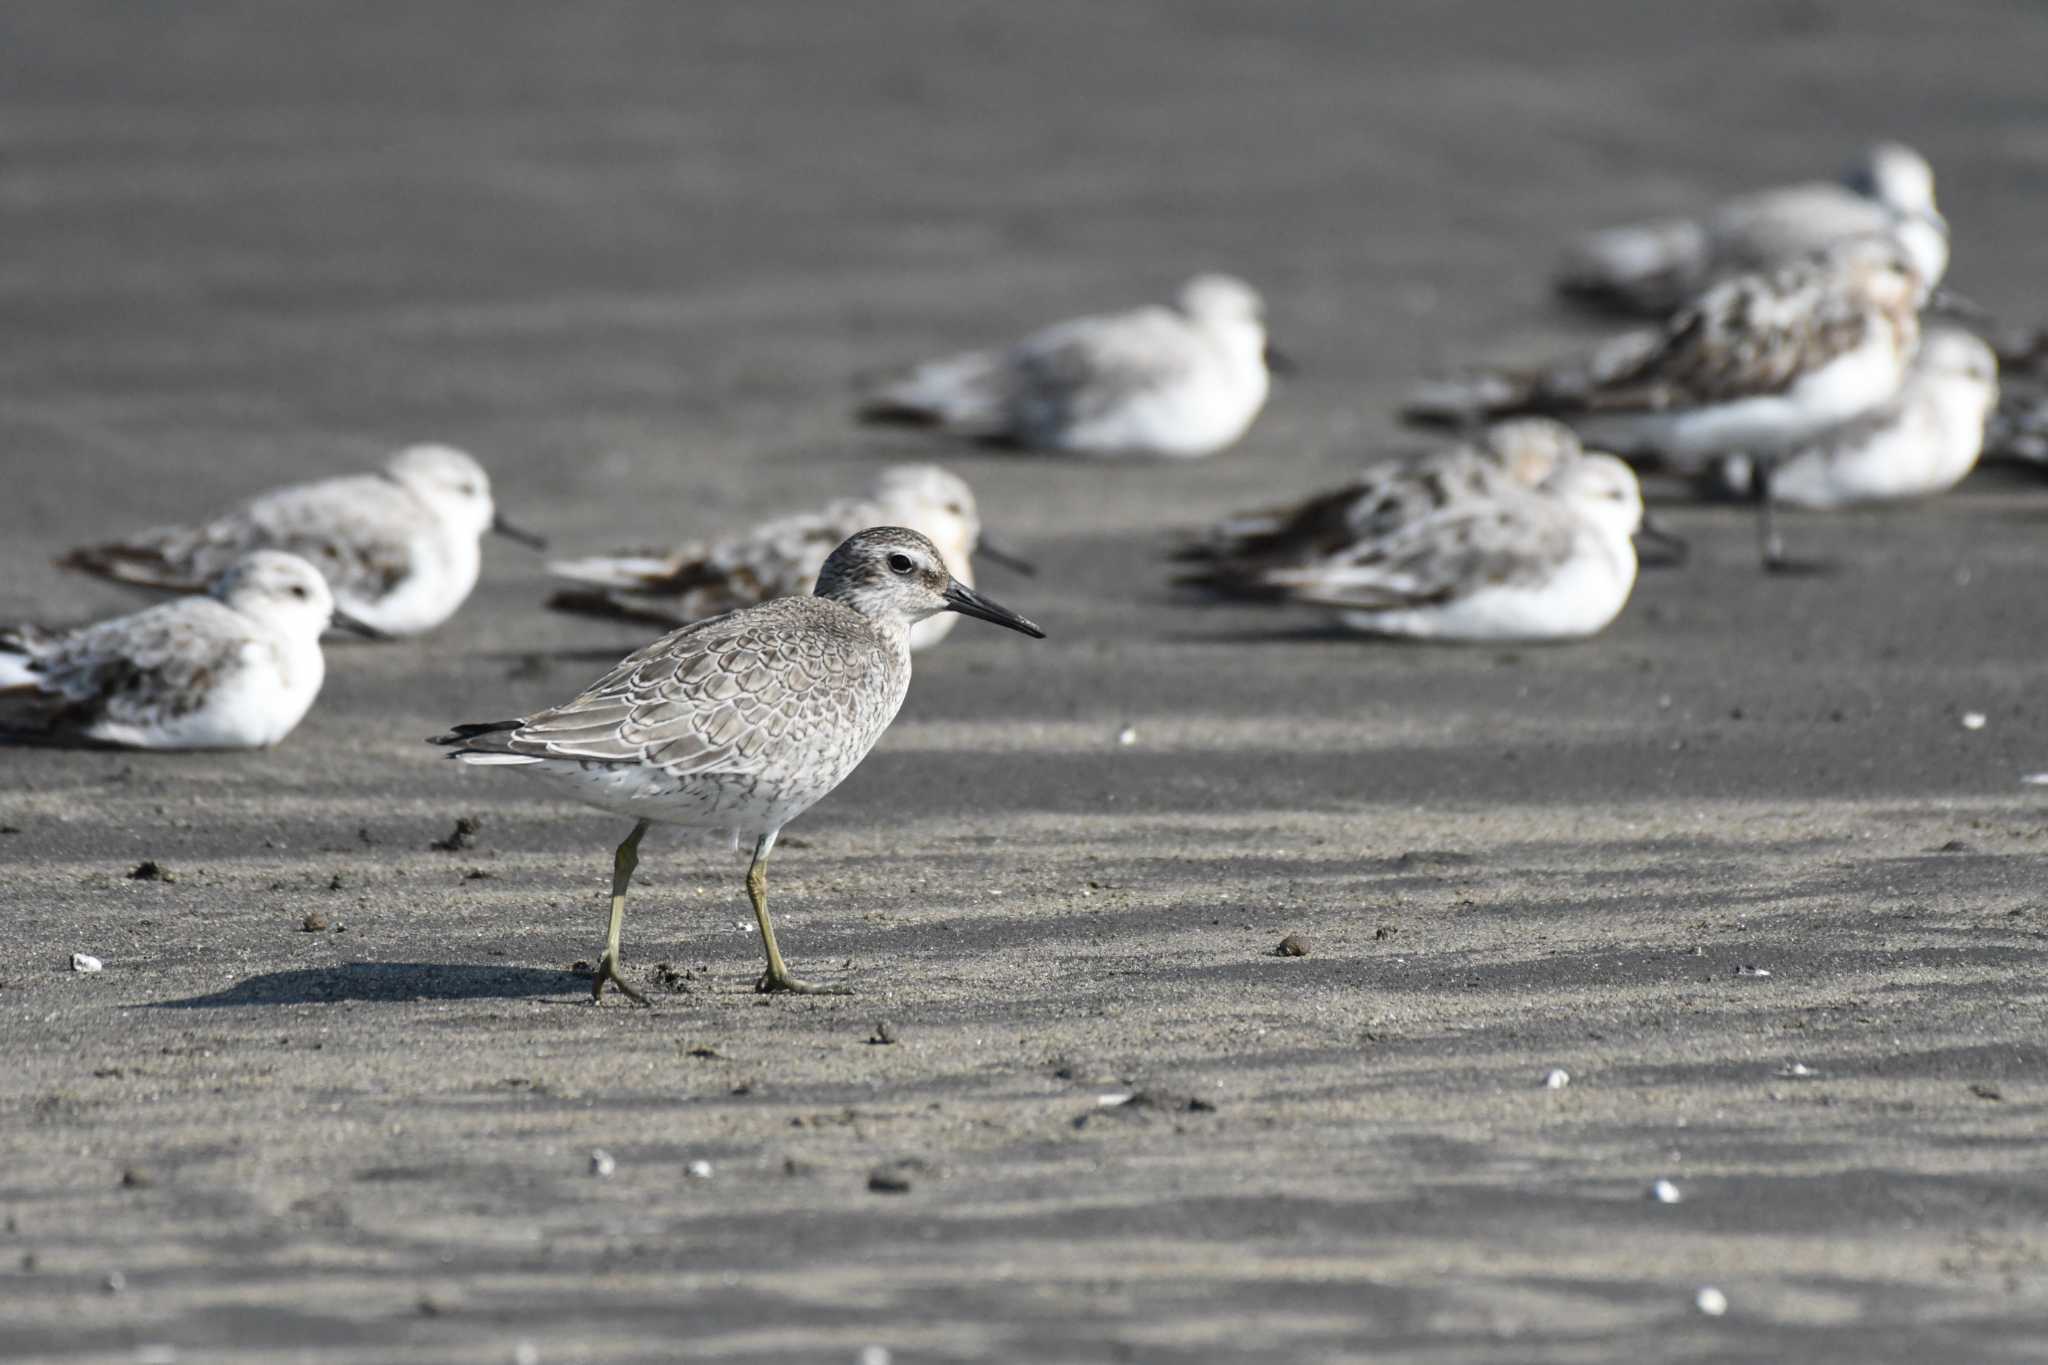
<point>772,981</point>
<point>608,970</point>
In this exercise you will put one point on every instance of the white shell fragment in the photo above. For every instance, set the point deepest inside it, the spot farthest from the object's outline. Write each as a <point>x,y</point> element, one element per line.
<point>1557,1078</point>
<point>601,1163</point>
<point>1975,720</point>
<point>86,962</point>
<point>1711,1301</point>
<point>1797,1071</point>
<point>1752,971</point>
<point>1664,1192</point>
<point>699,1169</point>
<point>1127,736</point>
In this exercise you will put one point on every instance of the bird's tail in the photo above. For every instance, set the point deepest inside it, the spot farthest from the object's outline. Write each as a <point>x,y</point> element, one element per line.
<point>958,391</point>
<point>485,742</point>
<point>136,565</point>
<point>1646,269</point>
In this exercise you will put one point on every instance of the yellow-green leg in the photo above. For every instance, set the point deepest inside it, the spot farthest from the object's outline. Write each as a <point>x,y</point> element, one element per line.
<point>777,977</point>
<point>623,863</point>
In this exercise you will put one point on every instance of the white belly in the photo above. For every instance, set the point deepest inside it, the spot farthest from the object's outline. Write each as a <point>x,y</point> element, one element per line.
<point>1579,600</point>
<point>251,707</point>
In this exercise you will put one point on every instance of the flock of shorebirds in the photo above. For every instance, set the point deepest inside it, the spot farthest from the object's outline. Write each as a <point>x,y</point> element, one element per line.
<point>1795,346</point>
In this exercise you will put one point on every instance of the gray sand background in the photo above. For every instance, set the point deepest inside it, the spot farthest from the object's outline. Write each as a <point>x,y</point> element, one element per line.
<point>631,255</point>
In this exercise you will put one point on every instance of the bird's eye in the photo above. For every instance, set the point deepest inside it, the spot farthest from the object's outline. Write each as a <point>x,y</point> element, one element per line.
<point>900,563</point>
<point>468,490</point>
<point>299,590</point>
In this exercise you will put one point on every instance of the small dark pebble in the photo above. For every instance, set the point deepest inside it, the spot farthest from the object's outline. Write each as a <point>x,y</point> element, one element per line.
<point>476,874</point>
<point>669,977</point>
<point>313,923</point>
<point>792,1167</point>
<point>369,840</point>
<point>895,1177</point>
<point>28,1261</point>
<point>461,837</point>
<point>582,968</point>
<point>1955,846</point>
<point>1294,945</point>
<point>705,1053</point>
<point>150,870</point>
<point>136,1179</point>
<point>883,1035</point>
<point>10,829</point>
<point>1386,931</point>
<point>335,883</point>
<point>109,1073</point>
<point>1987,1092</point>
<point>429,1307</point>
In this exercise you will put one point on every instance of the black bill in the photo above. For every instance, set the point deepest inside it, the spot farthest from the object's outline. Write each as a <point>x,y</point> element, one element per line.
<point>343,621</point>
<point>968,602</point>
<point>1946,303</point>
<point>1281,362</point>
<point>518,533</point>
<point>997,555</point>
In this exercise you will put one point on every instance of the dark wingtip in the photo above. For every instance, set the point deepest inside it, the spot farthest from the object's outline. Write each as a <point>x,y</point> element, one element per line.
<point>462,734</point>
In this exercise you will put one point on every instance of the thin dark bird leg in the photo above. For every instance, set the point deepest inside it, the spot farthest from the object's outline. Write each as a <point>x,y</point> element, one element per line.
<point>1766,524</point>
<point>623,863</point>
<point>777,977</point>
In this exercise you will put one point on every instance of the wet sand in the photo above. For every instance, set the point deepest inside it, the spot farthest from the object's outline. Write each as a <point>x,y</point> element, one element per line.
<point>631,256</point>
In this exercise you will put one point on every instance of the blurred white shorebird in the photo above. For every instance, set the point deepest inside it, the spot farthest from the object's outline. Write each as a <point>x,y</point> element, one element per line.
<point>1653,268</point>
<point>236,669</point>
<point>1466,543</point>
<point>399,548</point>
<point>781,557</point>
<point>1760,365</point>
<point>744,721</point>
<point>1923,442</point>
<point>1179,382</point>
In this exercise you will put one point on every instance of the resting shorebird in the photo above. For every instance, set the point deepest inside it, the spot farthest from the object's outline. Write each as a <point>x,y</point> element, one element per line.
<point>1180,382</point>
<point>1522,452</point>
<point>398,547</point>
<point>1653,268</point>
<point>236,669</point>
<point>744,721</point>
<point>1448,547</point>
<point>781,558</point>
<point>1759,365</point>
<point>1923,442</point>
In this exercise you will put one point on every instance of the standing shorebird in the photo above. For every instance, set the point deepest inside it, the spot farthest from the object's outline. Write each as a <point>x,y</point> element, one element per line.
<point>1178,382</point>
<point>1652,268</point>
<point>236,669</point>
<point>781,557</point>
<point>744,721</point>
<point>398,547</point>
<point>1759,365</point>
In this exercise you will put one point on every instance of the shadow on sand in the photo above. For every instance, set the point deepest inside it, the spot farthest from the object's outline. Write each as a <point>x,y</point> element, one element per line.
<point>391,982</point>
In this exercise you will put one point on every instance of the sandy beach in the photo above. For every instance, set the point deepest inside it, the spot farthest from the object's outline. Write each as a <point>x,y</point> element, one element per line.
<point>1739,866</point>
